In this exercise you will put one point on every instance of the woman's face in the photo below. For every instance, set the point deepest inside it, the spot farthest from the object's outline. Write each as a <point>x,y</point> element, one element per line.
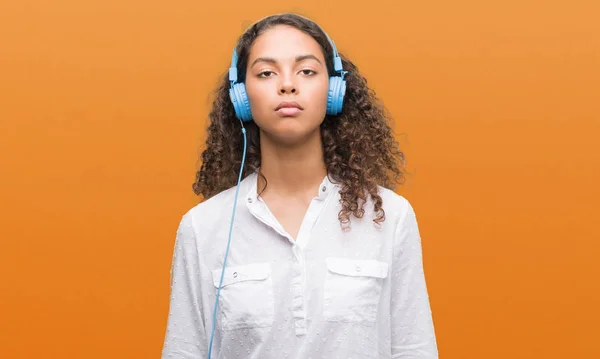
<point>287,84</point>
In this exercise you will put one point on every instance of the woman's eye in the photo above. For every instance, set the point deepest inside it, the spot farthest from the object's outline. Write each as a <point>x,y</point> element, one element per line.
<point>308,72</point>
<point>265,74</point>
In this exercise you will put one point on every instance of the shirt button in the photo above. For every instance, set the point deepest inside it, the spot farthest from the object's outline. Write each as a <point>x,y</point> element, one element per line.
<point>324,189</point>
<point>234,274</point>
<point>249,200</point>
<point>358,268</point>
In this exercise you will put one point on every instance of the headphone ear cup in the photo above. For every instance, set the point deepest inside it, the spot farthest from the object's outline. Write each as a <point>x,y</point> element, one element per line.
<point>335,97</point>
<point>341,95</point>
<point>241,104</point>
<point>331,96</point>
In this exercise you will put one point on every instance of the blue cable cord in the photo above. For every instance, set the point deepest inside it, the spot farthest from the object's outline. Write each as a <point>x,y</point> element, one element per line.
<point>212,334</point>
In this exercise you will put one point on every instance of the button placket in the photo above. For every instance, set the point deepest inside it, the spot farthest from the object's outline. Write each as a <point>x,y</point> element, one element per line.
<point>298,288</point>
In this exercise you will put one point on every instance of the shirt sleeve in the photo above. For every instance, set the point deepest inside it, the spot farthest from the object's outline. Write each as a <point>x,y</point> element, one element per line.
<point>185,335</point>
<point>412,330</point>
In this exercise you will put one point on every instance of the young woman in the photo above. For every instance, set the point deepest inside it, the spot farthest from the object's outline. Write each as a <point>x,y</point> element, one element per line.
<point>312,254</point>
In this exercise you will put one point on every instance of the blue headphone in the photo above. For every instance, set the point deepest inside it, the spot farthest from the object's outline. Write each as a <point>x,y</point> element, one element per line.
<point>335,97</point>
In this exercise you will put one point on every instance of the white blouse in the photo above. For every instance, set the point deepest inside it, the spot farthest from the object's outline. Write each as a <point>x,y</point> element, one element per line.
<point>331,293</point>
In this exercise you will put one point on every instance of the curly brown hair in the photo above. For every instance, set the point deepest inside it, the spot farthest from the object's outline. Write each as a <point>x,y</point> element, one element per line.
<point>359,149</point>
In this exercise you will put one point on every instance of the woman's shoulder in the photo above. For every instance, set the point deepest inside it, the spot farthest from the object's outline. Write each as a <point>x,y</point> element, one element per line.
<point>208,214</point>
<point>213,206</point>
<point>394,204</point>
<point>223,201</point>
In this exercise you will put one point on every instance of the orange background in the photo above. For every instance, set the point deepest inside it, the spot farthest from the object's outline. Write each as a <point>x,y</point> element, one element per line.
<point>102,115</point>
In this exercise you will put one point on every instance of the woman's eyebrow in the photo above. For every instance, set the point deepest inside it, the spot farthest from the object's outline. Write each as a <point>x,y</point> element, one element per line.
<point>273,61</point>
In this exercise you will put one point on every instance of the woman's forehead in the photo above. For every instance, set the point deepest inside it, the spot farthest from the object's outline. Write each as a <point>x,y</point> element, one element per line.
<point>284,42</point>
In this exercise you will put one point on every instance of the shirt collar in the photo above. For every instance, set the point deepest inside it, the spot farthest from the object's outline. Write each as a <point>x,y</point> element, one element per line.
<point>251,198</point>
<point>326,188</point>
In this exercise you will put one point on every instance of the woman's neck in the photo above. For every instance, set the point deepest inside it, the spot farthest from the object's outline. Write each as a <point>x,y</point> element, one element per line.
<point>292,170</point>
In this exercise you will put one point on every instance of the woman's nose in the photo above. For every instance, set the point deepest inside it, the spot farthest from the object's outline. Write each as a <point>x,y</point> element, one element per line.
<point>287,86</point>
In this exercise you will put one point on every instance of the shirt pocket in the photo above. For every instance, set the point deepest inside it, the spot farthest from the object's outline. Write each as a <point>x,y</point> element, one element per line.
<point>353,289</point>
<point>246,298</point>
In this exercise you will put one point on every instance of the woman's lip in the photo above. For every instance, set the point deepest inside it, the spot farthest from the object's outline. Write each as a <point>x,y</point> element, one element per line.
<point>288,104</point>
<point>288,111</point>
